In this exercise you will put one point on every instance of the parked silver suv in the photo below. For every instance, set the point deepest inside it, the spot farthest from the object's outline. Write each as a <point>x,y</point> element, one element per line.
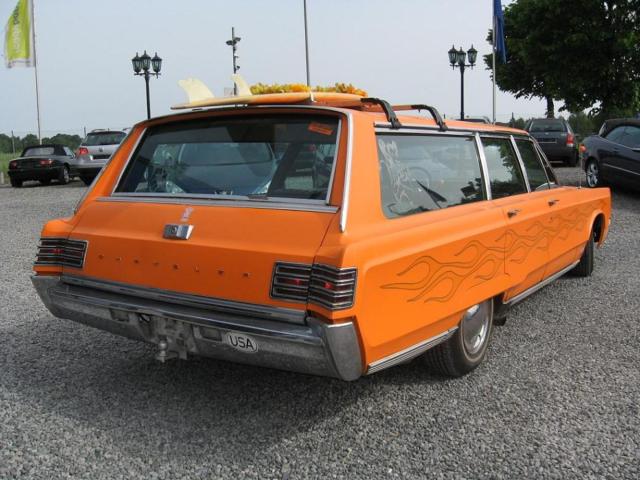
<point>95,150</point>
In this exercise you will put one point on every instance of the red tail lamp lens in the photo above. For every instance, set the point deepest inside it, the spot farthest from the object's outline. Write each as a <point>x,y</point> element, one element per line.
<point>83,151</point>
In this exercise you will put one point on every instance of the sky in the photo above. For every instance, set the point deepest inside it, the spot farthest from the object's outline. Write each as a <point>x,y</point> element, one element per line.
<point>395,50</point>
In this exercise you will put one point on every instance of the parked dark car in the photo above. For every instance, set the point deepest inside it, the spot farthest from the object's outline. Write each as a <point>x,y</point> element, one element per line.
<point>556,138</point>
<point>43,163</point>
<point>613,155</point>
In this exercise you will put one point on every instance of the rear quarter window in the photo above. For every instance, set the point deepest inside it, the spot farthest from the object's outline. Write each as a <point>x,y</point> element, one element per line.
<point>504,170</point>
<point>420,173</point>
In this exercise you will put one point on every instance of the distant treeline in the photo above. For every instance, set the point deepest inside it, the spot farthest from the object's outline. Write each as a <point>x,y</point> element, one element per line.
<point>19,143</point>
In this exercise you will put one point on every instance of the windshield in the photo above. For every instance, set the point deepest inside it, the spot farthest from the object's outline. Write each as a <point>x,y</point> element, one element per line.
<point>103,138</point>
<point>547,126</point>
<point>262,157</point>
<point>38,151</point>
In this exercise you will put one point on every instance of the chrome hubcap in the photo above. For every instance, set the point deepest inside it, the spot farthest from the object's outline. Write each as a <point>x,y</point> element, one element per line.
<point>475,327</point>
<point>592,174</point>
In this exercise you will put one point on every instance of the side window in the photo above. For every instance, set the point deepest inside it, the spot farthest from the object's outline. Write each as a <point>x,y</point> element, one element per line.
<point>533,166</point>
<point>504,172</point>
<point>616,134</point>
<point>68,152</point>
<point>419,173</point>
<point>631,138</point>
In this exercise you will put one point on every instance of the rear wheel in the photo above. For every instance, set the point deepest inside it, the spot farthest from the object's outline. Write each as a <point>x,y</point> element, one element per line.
<point>64,176</point>
<point>467,348</point>
<point>584,268</point>
<point>594,178</point>
<point>16,183</point>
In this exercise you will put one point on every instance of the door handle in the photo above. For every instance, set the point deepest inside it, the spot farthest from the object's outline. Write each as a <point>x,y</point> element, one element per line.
<point>553,201</point>
<point>513,213</point>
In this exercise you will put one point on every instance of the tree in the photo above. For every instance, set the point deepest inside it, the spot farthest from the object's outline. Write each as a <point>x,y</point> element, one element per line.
<point>583,53</point>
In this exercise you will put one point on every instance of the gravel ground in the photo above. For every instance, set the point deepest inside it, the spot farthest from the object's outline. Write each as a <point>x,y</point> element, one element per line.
<point>558,396</point>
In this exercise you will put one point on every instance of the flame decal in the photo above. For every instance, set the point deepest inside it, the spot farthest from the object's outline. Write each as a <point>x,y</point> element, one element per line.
<point>476,263</point>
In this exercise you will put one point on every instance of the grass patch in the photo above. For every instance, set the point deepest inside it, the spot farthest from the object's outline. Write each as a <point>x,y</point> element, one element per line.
<point>4,162</point>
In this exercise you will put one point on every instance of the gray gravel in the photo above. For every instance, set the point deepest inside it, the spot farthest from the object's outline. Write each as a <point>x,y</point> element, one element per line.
<point>558,397</point>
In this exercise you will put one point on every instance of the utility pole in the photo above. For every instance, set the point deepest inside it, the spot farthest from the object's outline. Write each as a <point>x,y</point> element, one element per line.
<point>13,143</point>
<point>233,43</point>
<point>306,43</point>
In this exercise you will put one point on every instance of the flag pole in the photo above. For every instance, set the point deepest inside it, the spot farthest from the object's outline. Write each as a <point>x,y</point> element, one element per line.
<point>493,34</point>
<point>35,65</point>
<point>306,43</point>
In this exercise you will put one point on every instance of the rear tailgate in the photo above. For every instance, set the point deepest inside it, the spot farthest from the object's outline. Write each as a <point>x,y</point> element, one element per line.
<point>230,253</point>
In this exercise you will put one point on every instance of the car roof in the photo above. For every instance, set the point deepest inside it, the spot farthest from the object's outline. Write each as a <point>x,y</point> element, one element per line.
<point>609,125</point>
<point>378,110</point>
<point>57,147</point>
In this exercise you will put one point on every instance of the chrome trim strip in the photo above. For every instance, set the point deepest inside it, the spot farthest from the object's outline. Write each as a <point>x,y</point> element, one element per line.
<point>538,286</point>
<point>483,166</point>
<point>334,165</point>
<point>198,301</point>
<point>226,198</point>
<point>521,162</point>
<point>622,169</point>
<point>126,163</point>
<point>450,129</point>
<point>410,352</point>
<point>423,131</point>
<point>321,208</point>
<point>347,175</point>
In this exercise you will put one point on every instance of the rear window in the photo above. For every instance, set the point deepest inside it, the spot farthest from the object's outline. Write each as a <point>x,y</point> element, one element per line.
<point>547,126</point>
<point>263,158</point>
<point>419,173</point>
<point>37,151</point>
<point>103,138</point>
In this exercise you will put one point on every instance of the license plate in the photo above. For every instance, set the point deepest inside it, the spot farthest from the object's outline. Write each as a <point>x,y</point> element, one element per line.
<point>241,342</point>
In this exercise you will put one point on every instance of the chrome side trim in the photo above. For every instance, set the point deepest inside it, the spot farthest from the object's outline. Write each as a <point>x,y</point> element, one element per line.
<point>521,162</point>
<point>622,169</point>
<point>410,352</point>
<point>321,208</point>
<point>450,130</point>
<point>225,198</point>
<point>197,301</point>
<point>334,165</point>
<point>126,163</point>
<point>521,296</point>
<point>483,166</point>
<point>347,175</point>
<point>424,131</point>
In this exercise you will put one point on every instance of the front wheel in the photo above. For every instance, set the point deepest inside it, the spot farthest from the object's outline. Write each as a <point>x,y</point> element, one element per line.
<point>594,178</point>
<point>467,348</point>
<point>584,268</point>
<point>64,176</point>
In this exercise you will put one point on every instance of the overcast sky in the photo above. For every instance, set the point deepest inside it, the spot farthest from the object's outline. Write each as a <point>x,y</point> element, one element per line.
<point>396,50</point>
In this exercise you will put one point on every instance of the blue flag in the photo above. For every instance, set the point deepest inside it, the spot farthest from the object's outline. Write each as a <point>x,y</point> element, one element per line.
<point>498,31</point>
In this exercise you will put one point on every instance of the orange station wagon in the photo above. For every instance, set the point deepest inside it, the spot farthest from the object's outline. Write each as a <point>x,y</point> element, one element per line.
<point>317,233</point>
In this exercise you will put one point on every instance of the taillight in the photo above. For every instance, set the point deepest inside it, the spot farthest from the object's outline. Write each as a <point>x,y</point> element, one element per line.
<point>83,151</point>
<point>330,287</point>
<point>61,251</point>
<point>570,139</point>
<point>46,162</point>
<point>13,164</point>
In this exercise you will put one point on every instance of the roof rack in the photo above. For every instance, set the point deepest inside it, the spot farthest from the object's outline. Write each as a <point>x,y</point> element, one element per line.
<point>392,118</point>
<point>432,110</point>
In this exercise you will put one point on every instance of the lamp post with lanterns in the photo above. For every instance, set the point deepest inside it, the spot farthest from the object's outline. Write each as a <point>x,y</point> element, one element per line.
<point>146,66</point>
<point>233,44</point>
<point>458,58</point>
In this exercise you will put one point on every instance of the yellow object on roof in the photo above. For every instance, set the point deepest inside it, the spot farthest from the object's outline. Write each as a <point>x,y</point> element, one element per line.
<point>309,98</point>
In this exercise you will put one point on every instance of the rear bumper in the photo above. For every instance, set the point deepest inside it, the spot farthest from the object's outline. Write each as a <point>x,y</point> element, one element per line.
<point>555,150</point>
<point>42,173</point>
<point>315,348</point>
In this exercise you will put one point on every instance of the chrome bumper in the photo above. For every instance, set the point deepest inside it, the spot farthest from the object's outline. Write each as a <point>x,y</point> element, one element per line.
<point>315,348</point>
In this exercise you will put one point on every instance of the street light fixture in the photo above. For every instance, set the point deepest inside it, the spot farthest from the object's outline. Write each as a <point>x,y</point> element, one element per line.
<point>234,48</point>
<point>458,58</point>
<point>141,66</point>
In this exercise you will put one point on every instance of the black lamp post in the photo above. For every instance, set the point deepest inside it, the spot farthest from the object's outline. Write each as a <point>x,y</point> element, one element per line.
<point>458,58</point>
<point>146,66</point>
<point>233,44</point>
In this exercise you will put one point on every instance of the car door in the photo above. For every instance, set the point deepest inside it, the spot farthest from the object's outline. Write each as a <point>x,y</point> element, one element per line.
<point>609,151</point>
<point>527,214</point>
<point>627,161</point>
